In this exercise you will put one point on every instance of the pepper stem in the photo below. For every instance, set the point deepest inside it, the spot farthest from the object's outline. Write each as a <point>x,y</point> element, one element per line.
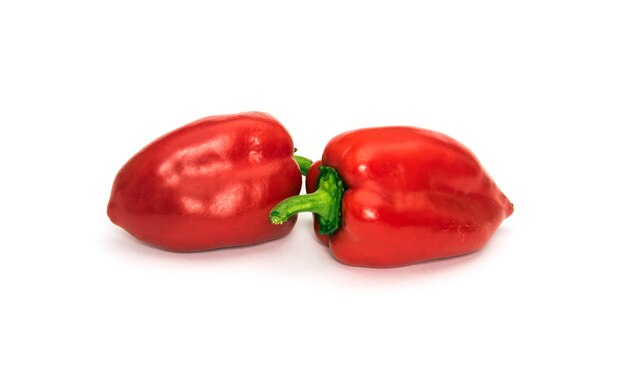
<point>303,163</point>
<point>325,202</point>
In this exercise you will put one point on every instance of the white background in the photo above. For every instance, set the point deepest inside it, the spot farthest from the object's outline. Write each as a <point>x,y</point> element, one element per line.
<point>537,89</point>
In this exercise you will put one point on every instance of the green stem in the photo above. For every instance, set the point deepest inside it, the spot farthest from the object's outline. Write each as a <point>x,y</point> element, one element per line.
<point>316,202</point>
<point>325,202</point>
<point>303,163</point>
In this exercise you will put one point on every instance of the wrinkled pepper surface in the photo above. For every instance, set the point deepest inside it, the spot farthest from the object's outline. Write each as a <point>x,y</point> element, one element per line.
<point>209,184</point>
<point>393,196</point>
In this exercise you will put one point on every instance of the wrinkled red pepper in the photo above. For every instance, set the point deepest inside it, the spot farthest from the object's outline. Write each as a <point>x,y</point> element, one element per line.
<point>393,196</point>
<point>208,184</point>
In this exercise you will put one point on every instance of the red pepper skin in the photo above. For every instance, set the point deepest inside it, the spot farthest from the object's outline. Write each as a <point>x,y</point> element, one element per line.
<point>209,184</point>
<point>411,195</point>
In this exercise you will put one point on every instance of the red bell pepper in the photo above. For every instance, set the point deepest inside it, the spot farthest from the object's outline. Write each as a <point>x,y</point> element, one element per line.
<point>208,184</point>
<point>393,196</point>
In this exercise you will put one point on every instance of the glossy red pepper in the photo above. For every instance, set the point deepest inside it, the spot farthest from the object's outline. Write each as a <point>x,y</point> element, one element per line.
<point>208,184</point>
<point>392,196</point>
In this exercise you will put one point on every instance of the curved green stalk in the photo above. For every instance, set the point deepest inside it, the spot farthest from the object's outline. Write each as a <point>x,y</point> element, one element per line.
<point>325,202</point>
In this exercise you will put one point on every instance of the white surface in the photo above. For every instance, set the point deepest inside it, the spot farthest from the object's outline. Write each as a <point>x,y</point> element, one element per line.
<point>536,89</point>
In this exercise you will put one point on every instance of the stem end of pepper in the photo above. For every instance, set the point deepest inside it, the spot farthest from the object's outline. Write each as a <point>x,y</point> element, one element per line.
<point>325,202</point>
<point>330,182</point>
